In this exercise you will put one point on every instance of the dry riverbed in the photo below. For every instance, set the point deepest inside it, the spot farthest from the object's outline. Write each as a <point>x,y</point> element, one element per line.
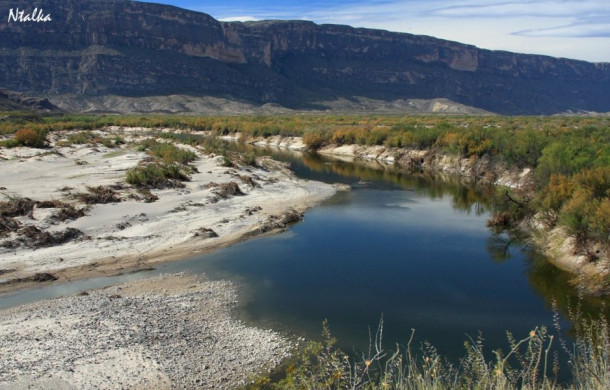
<point>169,332</point>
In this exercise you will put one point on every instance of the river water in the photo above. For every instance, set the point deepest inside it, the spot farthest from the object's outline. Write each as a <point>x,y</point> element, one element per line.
<point>409,247</point>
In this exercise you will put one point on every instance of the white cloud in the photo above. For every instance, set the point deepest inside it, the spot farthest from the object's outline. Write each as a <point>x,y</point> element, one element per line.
<point>240,19</point>
<point>560,28</point>
<point>590,29</point>
<point>541,8</point>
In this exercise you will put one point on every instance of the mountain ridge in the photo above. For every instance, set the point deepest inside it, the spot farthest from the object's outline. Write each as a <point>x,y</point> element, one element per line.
<point>133,49</point>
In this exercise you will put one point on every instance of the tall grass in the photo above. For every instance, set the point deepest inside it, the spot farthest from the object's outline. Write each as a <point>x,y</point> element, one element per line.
<point>589,354</point>
<point>169,153</point>
<point>529,363</point>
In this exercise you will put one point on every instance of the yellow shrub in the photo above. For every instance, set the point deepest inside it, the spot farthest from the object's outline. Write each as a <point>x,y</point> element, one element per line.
<point>30,137</point>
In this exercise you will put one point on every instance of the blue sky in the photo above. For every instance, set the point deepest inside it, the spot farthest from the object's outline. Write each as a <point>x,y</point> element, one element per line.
<point>562,28</point>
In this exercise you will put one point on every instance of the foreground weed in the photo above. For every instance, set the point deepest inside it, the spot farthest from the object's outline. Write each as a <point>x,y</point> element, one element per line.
<point>528,364</point>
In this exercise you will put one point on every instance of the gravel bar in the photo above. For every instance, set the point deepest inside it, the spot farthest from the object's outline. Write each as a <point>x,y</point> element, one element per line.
<point>171,331</point>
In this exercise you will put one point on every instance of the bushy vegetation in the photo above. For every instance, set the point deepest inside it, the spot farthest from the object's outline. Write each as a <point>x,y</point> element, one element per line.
<point>82,137</point>
<point>17,206</point>
<point>530,363</point>
<point>167,152</point>
<point>169,166</point>
<point>91,138</point>
<point>581,202</point>
<point>29,137</point>
<point>156,175</point>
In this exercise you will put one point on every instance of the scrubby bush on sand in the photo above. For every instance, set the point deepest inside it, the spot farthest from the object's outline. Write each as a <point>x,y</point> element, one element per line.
<point>156,175</point>
<point>27,137</point>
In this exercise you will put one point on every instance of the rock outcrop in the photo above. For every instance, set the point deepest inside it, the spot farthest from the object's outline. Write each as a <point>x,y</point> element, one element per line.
<point>132,49</point>
<point>13,101</point>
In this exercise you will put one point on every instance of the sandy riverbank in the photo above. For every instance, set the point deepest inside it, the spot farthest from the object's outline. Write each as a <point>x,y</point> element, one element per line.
<point>167,332</point>
<point>130,234</point>
<point>172,331</point>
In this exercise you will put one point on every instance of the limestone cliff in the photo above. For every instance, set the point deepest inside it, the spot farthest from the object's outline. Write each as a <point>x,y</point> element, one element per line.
<point>125,48</point>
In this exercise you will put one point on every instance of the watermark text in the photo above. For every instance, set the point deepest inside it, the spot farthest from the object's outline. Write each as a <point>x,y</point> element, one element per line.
<point>21,16</point>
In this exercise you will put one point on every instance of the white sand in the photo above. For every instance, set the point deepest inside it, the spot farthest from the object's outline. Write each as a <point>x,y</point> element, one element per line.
<point>152,232</point>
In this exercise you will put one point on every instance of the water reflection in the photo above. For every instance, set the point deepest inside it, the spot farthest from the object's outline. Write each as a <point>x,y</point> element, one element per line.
<point>553,285</point>
<point>468,197</point>
<point>560,290</point>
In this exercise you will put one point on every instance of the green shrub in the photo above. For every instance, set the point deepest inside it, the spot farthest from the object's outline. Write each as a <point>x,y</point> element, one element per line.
<point>565,156</point>
<point>376,137</point>
<point>82,137</point>
<point>107,142</point>
<point>170,153</point>
<point>557,192</point>
<point>165,135</point>
<point>166,151</point>
<point>226,161</point>
<point>522,148</point>
<point>156,175</point>
<point>425,138</point>
<point>90,138</point>
<point>585,203</point>
<point>213,144</point>
<point>343,136</point>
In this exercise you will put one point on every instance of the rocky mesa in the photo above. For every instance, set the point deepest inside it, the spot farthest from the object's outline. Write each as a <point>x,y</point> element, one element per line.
<point>92,49</point>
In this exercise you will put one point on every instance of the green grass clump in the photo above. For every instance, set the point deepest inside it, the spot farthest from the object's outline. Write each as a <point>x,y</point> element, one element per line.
<point>156,175</point>
<point>170,153</point>
<point>170,166</point>
<point>90,138</point>
<point>166,152</point>
<point>82,138</point>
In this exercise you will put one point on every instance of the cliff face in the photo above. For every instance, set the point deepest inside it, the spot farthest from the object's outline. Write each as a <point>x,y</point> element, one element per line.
<point>137,49</point>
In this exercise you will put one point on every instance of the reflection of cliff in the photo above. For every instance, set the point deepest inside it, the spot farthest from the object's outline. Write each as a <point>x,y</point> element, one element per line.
<point>548,281</point>
<point>465,196</point>
<point>558,286</point>
<point>120,47</point>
